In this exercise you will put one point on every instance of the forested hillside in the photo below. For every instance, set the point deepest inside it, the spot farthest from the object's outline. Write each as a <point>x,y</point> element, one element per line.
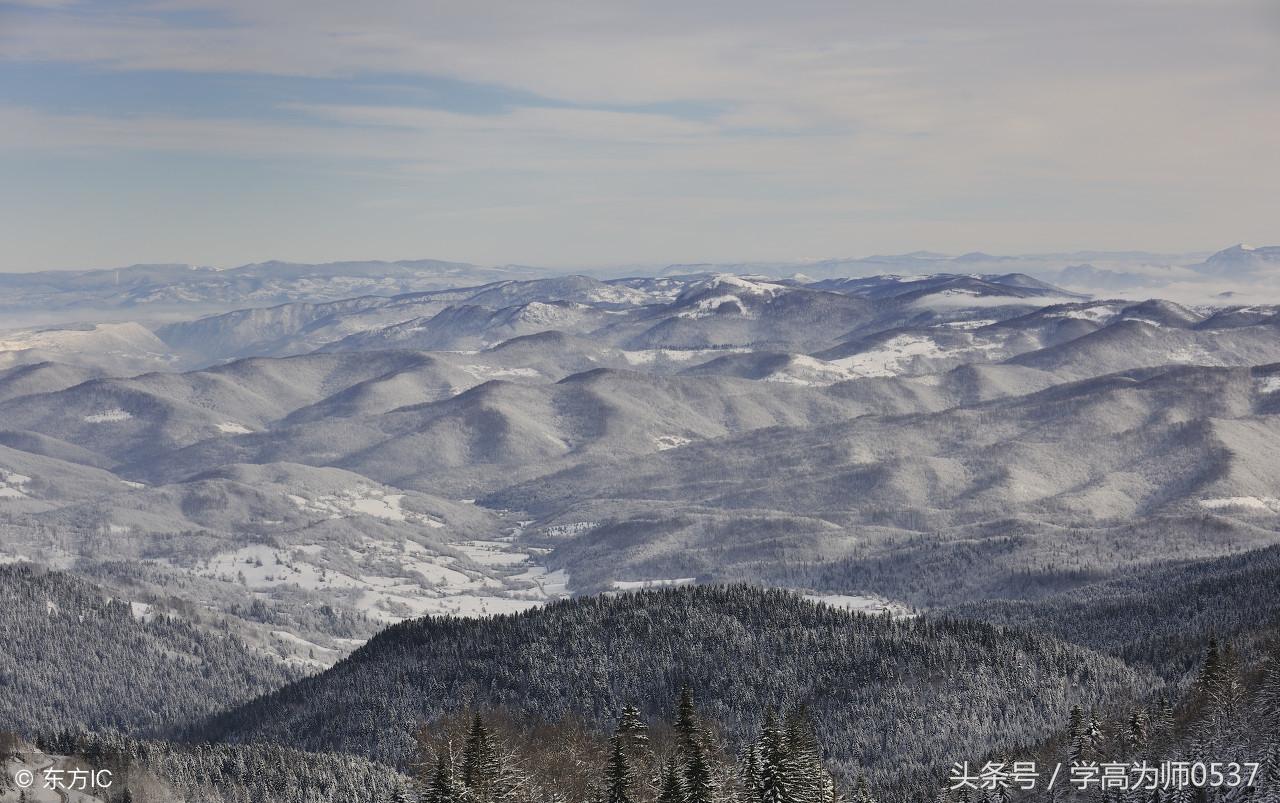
<point>890,698</point>
<point>1159,618</point>
<point>72,656</point>
<point>145,771</point>
<point>1218,742</point>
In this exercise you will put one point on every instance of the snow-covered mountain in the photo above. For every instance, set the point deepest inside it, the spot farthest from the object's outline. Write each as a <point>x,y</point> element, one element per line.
<point>491,446</point>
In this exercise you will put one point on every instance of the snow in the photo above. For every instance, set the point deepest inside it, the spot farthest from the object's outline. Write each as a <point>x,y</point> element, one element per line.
<point>1269,384</point>
<point>635,585</point>
<point>970,324</point>
<point>861,603</point>
<point>489,372</point>
<point>393,579</point>
<point>1194,354</point>
<point>670,441</point>
<point>1265,504</point>
<point>575,528</point>
<point>808,371</point>
<point>891,357</point>
<point>36,763</point>
<point>362,500</point>
<point>232,428</point>
<point>650,356</point>
<point>541,313</point>
<point>13,485</point>
<point>107,416</point>
<point>1098,313</point>
<point>705,307</point>
<point>491,553</point>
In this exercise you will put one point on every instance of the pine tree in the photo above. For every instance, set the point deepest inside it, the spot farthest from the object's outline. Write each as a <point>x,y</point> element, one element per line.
<point>1162,723</point>
<point>1267,699</point>
<point>752,782</point>
<point>777,770</point>
<point>698,781</point>
<point>481,771</point>
<point>861,793</point>
<point>442,787</point>
<point>672,789</point>
<point>699,786</point>
<point>686,720</point>
<point>1076,735</point>
<point>633,728</point>
<point>1137,735</point>
<point>618,775</point>
<point>1094,736</point>
<point>809,782</point>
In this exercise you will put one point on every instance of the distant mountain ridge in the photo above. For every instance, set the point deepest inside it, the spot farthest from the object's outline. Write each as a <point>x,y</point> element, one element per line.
<point>161,290</point>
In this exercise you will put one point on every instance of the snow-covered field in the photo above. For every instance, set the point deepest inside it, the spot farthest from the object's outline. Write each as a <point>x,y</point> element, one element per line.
<point>1262,504</point>
<point>392,580</point>
<point>362,500</point>
<point>1269,384</point>
<point>670,441</point>
<point>13,485</point>
<point>862,604</point>
<point>108,416</point>
<point>636,585</point>
<point>891,358</point>
<point>651,356</point>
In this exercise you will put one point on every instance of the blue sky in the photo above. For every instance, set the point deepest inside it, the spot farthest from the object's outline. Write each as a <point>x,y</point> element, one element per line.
<point>599,133</point>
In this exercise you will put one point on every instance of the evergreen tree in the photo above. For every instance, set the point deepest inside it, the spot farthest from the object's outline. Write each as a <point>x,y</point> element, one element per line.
<point>442,787</point>
<point>752,780</point>
<point>633,729</point>
<point>1077,740</point>
<point>698,781</point>
<point>777,770</point>
<point>481,769</point>
<point>861,792</point>
<point>1267,699</point>
<point>672,789</point>
<point>1137,736</point>
<point>809,782</point>
<point>618,775</point>
<point>686,720</point>
<point>1162,723</point>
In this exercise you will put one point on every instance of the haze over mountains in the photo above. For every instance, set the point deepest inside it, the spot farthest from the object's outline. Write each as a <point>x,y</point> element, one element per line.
<point>264,468</point>
<point>630,430</point>
<point>175,291</point>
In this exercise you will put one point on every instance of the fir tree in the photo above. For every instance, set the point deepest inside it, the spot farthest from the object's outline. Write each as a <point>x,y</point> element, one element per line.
<point>633,728</point>
<point>442,787</point>
<point>672,789</point>
<point>861,792</point>
<point>1267,699</point>
<point>699,783</point>
<point>752,780</point>
<point>481,770</point>
<point>777,770</point>
<point>1137,736</point>
<point>809,782</point>
<point>618,775</point>
<point>686,720</point>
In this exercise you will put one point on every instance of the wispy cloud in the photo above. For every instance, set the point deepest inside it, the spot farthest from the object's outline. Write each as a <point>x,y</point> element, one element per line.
<point>993,124</point>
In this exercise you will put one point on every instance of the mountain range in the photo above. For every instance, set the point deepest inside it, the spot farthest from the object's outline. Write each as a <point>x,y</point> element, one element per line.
<point>334,470</point>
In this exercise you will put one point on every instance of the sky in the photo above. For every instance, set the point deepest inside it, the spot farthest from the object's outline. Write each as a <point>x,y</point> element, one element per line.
<point>580,134</point>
